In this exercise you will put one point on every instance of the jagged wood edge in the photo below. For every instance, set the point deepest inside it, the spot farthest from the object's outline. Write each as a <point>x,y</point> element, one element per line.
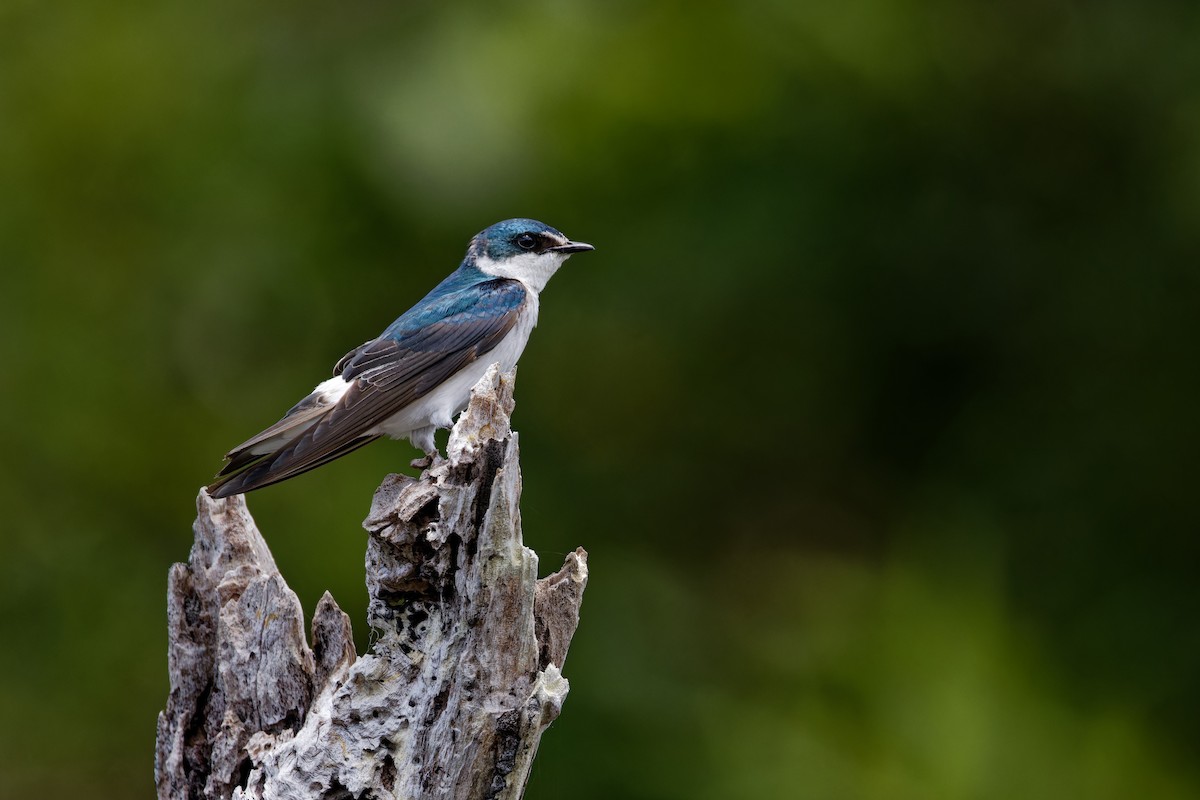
<point>253,712</point>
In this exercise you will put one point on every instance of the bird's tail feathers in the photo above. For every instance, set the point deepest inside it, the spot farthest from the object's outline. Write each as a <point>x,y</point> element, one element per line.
<point>251,464</point>
<point>263,470</point>
<point>294,423</point>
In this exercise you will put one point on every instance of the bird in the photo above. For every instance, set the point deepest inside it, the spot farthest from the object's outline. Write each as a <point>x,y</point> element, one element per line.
<point>416,376</point>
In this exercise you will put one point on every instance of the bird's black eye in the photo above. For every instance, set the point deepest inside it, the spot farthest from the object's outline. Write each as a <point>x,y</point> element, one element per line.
<point>526,241</point>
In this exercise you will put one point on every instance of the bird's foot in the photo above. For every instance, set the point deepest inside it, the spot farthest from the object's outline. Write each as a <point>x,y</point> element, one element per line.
<point>426,461</point>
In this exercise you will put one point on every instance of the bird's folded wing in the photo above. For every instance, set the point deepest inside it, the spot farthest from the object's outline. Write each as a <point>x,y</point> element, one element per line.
<point>383,376</point>
<point>390,372</point>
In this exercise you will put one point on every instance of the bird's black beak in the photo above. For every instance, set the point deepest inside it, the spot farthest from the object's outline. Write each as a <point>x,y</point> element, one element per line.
<point>571,247</point>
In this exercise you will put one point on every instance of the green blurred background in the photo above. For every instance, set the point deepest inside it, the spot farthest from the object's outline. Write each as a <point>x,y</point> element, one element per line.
<point>875,407</point>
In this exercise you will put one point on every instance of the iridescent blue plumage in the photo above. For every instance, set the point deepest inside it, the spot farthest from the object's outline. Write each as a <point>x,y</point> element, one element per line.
<point>499,241</point>
<point>466,291</point>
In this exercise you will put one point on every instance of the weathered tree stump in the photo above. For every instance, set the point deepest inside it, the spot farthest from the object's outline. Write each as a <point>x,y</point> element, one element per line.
<point>455,692</point>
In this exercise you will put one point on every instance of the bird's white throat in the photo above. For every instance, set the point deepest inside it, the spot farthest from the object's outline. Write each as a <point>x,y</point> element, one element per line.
<point>531,269</point>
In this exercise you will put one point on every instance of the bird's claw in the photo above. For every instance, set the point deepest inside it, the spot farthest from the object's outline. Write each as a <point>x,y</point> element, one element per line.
<point>426,461</point>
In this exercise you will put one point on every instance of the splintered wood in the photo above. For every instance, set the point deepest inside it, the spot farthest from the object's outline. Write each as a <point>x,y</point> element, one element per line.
<point>464,675</point>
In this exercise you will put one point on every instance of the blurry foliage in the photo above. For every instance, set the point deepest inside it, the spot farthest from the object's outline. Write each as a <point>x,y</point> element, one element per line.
<point>875,407</point>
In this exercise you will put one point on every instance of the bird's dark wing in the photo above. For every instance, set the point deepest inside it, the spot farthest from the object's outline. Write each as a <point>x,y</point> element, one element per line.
<point>384,376</point>
<point>300,416</point>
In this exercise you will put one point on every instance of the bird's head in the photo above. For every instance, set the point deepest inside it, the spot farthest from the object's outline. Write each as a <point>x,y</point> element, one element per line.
<point>524,249</point>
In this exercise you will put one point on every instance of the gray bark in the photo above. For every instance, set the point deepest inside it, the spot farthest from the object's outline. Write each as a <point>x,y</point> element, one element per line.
<point>462,679</point>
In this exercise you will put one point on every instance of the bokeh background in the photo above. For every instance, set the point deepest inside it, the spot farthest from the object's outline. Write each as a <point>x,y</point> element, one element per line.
<point>876,406</point>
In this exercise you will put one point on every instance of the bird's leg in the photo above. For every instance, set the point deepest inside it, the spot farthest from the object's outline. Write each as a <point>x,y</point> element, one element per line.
<point>423,439</point>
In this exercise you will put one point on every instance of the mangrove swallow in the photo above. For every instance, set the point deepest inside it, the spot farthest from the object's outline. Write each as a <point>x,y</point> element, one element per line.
<point>417,375</point>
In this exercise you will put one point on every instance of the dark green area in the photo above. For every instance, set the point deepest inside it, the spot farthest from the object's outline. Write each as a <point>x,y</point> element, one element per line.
<point>876,406</point>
